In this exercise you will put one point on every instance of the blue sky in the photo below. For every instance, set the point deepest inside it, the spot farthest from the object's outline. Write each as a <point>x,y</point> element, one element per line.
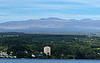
<point>15,10</point>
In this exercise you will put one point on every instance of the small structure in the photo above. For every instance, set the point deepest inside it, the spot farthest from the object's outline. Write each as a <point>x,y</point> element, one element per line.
<point>47,50</point>
<point>33,55</point>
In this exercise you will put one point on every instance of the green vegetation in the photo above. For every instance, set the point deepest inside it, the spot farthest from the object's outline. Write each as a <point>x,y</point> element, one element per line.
<point>63,46</point>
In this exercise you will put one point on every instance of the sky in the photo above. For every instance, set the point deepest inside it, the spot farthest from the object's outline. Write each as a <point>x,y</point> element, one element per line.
<point>16,10</point>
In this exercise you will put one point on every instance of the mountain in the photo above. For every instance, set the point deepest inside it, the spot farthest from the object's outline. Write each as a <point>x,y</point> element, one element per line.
<point>51,25</point>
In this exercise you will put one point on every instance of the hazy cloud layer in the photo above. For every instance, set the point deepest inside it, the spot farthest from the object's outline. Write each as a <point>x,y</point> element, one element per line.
<point>88,27</point>
<point>11,10</point>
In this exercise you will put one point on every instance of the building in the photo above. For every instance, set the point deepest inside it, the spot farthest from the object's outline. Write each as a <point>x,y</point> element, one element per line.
<point>47,50</point>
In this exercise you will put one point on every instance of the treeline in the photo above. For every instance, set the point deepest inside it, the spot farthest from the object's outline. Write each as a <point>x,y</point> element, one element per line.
<point>63,46</point>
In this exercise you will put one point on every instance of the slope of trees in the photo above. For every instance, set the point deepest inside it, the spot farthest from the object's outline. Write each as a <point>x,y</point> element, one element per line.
<point>63,46</point>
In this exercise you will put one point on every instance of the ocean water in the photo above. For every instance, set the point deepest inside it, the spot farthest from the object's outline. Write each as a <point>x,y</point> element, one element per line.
<point>48,61</point>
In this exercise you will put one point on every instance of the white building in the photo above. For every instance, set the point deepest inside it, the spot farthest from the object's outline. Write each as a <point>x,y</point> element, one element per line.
<point>47,50</point>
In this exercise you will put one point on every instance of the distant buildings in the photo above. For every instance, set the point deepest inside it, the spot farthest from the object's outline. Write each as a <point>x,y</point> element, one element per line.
<point>5,55</point>
<point>47,50</point>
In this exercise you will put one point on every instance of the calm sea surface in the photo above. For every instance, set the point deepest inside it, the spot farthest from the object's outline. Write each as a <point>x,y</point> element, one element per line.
<point>47,61</point>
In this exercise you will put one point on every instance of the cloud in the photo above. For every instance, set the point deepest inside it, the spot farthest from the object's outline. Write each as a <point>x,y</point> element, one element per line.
<point>30,9</point>
<point>88,27</point>
<point>30,26</point>
<point>89,3</point>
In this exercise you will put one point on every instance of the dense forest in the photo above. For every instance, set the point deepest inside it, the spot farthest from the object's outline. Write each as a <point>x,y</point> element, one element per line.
<point>64,46</point>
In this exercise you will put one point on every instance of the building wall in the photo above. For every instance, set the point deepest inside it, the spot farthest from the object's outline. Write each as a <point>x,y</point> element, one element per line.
<point>47,50</point>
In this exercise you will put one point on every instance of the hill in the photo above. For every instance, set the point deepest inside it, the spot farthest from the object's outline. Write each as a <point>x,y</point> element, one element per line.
<point>51,25</point>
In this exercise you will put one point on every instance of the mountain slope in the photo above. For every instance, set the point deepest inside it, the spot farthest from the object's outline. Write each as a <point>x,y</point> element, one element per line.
<point>51,25</point>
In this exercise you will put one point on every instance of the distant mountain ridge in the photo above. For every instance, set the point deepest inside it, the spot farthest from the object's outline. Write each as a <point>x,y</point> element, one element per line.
<point>51,25</point>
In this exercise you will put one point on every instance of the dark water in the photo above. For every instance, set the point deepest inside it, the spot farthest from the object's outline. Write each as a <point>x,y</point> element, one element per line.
<point>47,61</point>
